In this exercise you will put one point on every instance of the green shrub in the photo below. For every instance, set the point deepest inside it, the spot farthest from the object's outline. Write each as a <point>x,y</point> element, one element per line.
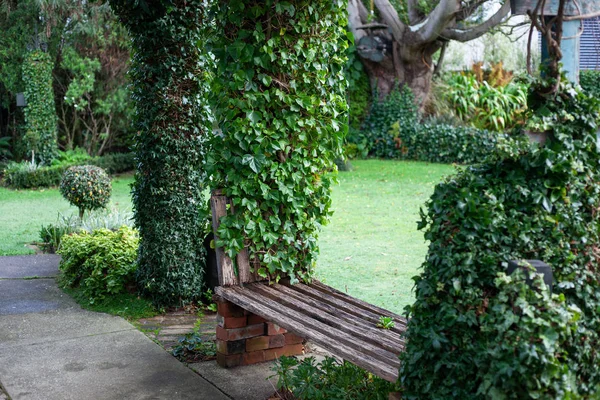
<point>374,135</point>
<point>114,163</point>
<point>72,157</point>
<point>483,105</point>
<point>52,234</point>
<point>101,263</point>
<point>87,187</point>
<point>472,332</point>
<point>328,380</point>
<point>590,82</point>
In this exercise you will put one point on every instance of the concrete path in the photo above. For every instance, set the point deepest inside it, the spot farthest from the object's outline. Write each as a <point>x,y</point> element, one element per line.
<point>51,349</point>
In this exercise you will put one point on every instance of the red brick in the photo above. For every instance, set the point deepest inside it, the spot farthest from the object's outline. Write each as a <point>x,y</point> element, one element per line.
<point>292,338</point>
<point>274,329</point>
<point>255,319</point>
<point>240,333</point>
<point>228,309</point>
<point>290,350</point>
<point>276,341</point>
<point>229,361</point>
<point>233,347</point>
<point>257,343</point>
<point>253,357</point>
<point>231,322</point>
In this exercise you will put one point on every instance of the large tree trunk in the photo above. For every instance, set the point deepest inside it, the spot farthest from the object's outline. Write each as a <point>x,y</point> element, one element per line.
<point>406,66</point>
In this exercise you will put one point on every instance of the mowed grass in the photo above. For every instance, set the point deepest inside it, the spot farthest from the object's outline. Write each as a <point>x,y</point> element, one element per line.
<point>23,212</point>
<point>372,248</point>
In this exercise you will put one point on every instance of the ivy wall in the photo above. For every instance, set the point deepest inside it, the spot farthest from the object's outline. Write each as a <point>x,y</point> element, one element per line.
<point>40,112</point>
<point>279,100</point>
<point>169,91</point>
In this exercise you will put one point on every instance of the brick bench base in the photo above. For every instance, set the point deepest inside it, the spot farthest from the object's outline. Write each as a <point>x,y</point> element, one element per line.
<point>244,338</point>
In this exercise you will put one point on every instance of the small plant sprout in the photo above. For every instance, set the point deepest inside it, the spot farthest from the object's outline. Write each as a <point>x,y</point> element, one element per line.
<point>386,322</point>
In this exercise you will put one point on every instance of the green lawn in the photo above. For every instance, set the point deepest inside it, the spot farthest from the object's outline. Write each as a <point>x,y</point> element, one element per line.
<point>371,249</point>
<point>23,212</point>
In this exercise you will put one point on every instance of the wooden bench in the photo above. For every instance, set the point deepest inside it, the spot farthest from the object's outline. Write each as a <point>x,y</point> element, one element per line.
<point>259,321</point>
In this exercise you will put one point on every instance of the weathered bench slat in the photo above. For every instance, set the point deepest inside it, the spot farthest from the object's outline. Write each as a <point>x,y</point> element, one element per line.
<point>393,336</point>
<point>343,305</point>
<point>379,364</point>
<point>226,272</point>
<point>309,322</point>
<point>370,335</point>
<point>359,303</point>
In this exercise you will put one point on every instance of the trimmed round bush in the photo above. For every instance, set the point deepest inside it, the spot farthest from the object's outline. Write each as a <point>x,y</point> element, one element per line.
<point>87,187</point>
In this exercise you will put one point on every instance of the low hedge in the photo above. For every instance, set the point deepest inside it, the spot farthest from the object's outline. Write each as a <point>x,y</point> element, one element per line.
<point>26,176</point>
<point>393,130</point>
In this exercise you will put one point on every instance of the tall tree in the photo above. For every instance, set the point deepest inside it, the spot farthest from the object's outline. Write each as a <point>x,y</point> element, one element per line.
<point>402,38</point>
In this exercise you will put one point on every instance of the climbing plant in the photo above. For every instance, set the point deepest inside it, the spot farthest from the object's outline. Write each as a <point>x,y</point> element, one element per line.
<point>168,87</point>
<point>279,100</point>
<point>40,112</point>
<point>474,333</point>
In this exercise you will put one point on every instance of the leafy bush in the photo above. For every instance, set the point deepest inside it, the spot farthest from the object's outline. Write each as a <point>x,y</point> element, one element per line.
<point>327,380</point>
<point>113,219</point>
<point>114,163</point>
<point>483,105</point>
<point>590,82</point>
<point>86,187</point>
<point>474,333</point>
<point>359,89</point>
<point>374,135</point>
<point>102,263</point>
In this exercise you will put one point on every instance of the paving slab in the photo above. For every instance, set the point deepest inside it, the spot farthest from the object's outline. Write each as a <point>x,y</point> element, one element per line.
<point>31,329</point>
<point>244,383</point>
<point>44,265</point>
<point>122,365</point>
<point>19,296</point>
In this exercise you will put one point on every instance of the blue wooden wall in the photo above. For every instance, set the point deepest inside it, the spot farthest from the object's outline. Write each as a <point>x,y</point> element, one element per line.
<point>589,53</point>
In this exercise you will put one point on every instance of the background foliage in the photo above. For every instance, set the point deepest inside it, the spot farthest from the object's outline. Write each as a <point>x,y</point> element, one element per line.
<point>279,99</point>
<point>523,203</point>
<point>169,89</point>
<point>590,82</point>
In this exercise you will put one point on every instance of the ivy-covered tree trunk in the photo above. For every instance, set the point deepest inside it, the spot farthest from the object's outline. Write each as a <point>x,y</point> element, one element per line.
<point>279,99</point>
<point>40,112</point>
<point>168,79</point>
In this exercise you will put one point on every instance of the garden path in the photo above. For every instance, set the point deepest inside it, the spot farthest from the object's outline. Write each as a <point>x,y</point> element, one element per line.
<point>51,349</point>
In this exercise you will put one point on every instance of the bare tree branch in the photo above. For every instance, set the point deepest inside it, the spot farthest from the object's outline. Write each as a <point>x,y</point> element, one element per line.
<point>464,35</point>
<point>390,17</point>
<point>355,20</point>
<point>413,12</point>
<point>430,29</point>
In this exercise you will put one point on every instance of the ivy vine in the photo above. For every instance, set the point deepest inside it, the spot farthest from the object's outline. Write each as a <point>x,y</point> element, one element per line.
<point>169,89</point>
<point>279,100</point>
<point>40,112</point>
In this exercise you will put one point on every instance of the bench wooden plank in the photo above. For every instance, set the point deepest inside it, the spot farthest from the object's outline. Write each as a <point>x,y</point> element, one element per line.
<point>331,310</point>
<point>309,322</point>
<point>343,305</point>
<point>371,334</point>
<point>380,364</point>
<point>358,302</point>
<point>225,269</point>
